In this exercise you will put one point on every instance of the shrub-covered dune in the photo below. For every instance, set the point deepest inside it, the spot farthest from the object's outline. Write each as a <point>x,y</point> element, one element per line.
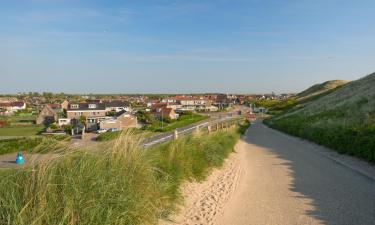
<point>320,88</point>
<point>343,119</point>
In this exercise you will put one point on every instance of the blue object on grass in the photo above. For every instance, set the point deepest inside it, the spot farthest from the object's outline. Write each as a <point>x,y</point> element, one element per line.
<point>19,159</point>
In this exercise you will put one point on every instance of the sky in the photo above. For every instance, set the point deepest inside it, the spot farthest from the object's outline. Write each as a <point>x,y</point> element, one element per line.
<point>183,46</point>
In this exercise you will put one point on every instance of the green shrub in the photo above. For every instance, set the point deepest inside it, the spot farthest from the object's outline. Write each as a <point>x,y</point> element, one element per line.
<point>243,127</point>
<point>353,139</point>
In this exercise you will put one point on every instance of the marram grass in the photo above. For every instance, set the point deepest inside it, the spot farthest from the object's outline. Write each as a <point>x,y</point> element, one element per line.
<point>116,182</point>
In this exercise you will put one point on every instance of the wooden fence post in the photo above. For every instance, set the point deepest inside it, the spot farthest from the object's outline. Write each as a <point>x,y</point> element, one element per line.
<point>175,134</point>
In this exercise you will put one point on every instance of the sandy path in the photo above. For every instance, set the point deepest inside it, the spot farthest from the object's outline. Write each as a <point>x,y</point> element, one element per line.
<point>205,201</point>
<point>290,181</point>
<point>278,179</point>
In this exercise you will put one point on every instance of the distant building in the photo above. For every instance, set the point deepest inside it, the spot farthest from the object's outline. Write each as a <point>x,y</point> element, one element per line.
<point>12,107</point>
<point>65,105</point>
<point>47,115</point>
<point>165,112</point>
<point>121,121</point>
<point>190,103</point>
<point>93,112</point>
<point>117,106</point>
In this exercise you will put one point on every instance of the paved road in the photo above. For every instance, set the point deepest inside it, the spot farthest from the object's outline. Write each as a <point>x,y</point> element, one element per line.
<point>287,181</point>
<point>187,129</point>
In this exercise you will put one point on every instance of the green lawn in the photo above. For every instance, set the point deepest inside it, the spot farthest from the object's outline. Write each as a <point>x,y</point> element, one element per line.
<point>21,130</point>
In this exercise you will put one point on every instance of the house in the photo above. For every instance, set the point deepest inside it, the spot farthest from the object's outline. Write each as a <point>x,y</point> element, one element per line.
<point>117,106</point>
<point>121,121</point>
<point>190,103</point>
<point>93,112</point>
<point>47,115</point>
<point>65,105</point>
<point>11,107</point>
<point>165,112</point>
<point>224,101</point>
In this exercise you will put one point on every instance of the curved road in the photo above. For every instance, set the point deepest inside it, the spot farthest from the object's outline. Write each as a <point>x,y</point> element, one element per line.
<point>287,181</point>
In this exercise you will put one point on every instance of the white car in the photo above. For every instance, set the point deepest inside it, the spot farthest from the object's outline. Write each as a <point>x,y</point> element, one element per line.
<point>100,131</point>
<point>113,130</point>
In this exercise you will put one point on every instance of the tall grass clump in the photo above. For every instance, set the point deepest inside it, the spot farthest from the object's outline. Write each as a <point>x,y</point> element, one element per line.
<point>115,182</point>
<point>114,186</point>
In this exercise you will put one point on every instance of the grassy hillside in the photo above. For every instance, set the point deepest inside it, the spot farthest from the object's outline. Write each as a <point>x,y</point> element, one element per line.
<point>122,184</point>
<point>343,119</point>
<point>320,88</point>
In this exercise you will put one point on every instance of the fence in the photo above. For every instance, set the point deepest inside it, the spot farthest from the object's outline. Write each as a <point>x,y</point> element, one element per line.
<point>208,127</point>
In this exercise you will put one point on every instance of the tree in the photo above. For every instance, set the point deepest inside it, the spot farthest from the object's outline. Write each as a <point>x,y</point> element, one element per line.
<point>145,117</point>
<point>82,119</point>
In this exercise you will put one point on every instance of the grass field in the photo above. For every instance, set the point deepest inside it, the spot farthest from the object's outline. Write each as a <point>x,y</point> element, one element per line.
<point>116,184</point>
<point>21,130</point>
<point>29,144</point>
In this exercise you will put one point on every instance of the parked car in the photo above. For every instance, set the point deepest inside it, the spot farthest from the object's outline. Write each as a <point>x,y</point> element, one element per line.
<point>112,130</point>
<point>100,131</point>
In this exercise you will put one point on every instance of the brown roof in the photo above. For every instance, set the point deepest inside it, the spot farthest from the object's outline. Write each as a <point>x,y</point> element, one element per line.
<point>12,104</point>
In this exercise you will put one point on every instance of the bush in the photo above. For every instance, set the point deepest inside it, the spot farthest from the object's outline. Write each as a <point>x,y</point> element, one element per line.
<point>356,140</point>
<point>243,127</point>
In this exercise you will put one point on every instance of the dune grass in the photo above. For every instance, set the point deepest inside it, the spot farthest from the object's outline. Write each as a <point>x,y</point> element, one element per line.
<point>116,182</point>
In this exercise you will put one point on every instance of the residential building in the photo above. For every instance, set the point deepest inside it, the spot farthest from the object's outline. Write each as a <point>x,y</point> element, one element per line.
<point>47,115</point>
<point>11,107</point>
<point>190,103</point>
<point>117,106</point>
<point>165,112</point>
<point>121,121</point>
<point>93,112</point>
<point>65,105</point>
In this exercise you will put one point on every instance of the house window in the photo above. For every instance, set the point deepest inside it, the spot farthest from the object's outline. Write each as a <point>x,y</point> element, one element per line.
<point>92,106</point>
<point>74,106</point>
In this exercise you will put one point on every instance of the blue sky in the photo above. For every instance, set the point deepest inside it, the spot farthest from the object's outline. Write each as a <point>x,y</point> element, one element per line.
<point>139,46</point>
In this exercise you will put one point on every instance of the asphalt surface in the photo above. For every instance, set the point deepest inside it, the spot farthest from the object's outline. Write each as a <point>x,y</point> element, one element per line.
<point>288,181</point>
<point>159,138</point>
